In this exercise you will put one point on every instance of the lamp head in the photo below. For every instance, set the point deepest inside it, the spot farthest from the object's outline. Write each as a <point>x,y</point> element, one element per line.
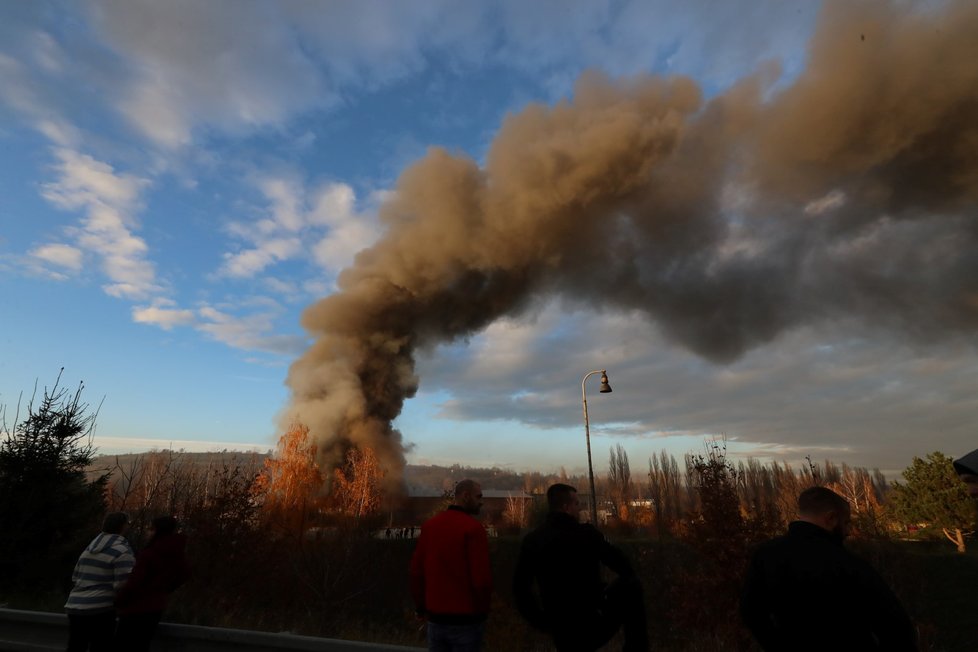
<point>605,387</point>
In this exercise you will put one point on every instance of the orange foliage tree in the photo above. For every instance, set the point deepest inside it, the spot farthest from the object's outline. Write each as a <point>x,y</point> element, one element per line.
<point>356,488</point>
<point>291,482</point>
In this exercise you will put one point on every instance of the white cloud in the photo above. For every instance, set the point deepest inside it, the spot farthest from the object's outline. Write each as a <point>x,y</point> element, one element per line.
<point>60,254</point>
<point>59,132</point>
<point>48,53</point>
<point>110,202</point>
<point>349,232</point>
<point>325,216</point>
<point>250,333</point>
<point>248,263</point>
<point>284,195</point>
<point>284,289</point>
<point>88,183</point>
<point>236,67</point>
<point>165,318</point>
<point>19,90</point>
<point>828,202</point>
<point>227,64</point>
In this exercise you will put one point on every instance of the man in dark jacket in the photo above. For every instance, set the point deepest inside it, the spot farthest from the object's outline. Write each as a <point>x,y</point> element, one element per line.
<point>967,469</point>
<point>806,592</point>
<point>450,579</point>
<point>564,558</point>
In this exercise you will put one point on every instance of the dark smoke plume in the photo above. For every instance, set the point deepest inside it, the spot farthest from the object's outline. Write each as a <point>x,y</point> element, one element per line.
<point>849,194</point>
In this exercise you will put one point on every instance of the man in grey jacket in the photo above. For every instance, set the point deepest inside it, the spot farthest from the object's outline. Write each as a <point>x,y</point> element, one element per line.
<point>101,569</point>
<point>967,468</point>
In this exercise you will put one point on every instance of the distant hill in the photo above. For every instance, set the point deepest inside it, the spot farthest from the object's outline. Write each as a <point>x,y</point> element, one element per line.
<point>197,459</point>
<point>420,476</point>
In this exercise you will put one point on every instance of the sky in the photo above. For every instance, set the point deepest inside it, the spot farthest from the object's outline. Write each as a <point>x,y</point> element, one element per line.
<point>181,181</point>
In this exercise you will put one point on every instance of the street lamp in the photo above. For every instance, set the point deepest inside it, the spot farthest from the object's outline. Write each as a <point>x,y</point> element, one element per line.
<point>605,389</point>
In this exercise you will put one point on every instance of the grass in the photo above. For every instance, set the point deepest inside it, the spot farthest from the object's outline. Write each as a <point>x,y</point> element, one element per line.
<point>363,594</point>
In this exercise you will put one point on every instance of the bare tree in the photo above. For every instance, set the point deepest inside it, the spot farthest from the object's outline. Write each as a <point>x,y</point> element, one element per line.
<point>620,481</point>
<point>516,514</point>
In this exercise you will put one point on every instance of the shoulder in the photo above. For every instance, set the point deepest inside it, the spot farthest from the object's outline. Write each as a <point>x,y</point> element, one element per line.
<point>434,521</point>
<point>120,546</point>
<point>771,549</point>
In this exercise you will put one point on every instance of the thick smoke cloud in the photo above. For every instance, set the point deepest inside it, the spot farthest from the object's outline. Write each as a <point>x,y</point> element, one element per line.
<point>849,194</point>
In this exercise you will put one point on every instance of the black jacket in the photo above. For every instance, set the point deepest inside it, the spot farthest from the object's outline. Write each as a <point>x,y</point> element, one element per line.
<point>805,591</point>
<point>967,464</point>
<point>564,558</point>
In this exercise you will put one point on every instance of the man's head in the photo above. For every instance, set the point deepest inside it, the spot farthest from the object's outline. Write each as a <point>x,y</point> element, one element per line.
<point>115,522</point>
<point>563,498</point>
<point>826,509</point>
<point>468,496</point>
<point>967,469</point>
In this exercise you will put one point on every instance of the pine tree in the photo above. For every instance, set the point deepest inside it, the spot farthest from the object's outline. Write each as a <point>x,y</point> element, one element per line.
<point>48,506</point>
<point>933,496</point>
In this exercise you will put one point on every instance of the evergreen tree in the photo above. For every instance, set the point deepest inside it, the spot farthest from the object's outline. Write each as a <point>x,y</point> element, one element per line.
<point>48,507</point>
<point>933,496</point>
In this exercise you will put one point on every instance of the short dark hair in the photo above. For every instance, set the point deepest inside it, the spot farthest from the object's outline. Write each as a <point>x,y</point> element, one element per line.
<point>114,522</point>
<point>559,496</point>
<point>816,501</point>
<point>465,486</point>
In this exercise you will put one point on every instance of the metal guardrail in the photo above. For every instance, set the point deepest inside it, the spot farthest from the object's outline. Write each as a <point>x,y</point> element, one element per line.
<point>35,631</point>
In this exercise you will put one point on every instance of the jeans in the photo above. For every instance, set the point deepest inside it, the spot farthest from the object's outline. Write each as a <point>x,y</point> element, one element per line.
<point>455,638</point>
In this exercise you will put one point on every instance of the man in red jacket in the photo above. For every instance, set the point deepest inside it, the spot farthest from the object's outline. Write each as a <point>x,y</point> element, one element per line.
<point>450,579</point>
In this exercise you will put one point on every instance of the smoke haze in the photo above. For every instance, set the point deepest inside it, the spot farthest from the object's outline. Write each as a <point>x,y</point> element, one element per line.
<point>848,194</point>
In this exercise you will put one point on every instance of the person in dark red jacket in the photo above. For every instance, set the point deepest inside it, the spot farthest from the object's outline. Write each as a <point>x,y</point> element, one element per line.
<point>160,568</point>
<point>450,578</point>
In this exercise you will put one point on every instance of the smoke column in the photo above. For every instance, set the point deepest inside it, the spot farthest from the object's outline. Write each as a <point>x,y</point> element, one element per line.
<point>848,194</point>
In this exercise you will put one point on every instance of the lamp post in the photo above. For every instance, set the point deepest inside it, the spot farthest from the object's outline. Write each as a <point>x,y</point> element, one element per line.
<point>605,389</point>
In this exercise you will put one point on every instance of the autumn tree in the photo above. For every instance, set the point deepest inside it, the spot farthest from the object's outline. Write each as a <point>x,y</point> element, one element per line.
<point>356,490</point>
<point>933,496</point>
<point>516,515</point>
<point>291,482</point>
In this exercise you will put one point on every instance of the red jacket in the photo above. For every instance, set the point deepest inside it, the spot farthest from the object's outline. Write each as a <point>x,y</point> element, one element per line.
<point>450,574</point>
<point>160,568</point>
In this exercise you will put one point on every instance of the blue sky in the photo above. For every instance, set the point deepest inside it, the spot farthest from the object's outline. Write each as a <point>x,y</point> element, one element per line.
<point>179,180</point>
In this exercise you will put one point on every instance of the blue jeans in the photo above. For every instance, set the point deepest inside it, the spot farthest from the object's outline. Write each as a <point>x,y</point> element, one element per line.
<point>455,638</point>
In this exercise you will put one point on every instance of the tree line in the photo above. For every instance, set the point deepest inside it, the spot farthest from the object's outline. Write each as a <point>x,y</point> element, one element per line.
<point>281,530</point>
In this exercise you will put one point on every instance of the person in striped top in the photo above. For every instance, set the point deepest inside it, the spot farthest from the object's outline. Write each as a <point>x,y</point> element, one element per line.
<point>101,569</point>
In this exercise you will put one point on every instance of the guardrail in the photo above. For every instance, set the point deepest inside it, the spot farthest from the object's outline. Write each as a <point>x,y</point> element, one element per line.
<point>36,631</point>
